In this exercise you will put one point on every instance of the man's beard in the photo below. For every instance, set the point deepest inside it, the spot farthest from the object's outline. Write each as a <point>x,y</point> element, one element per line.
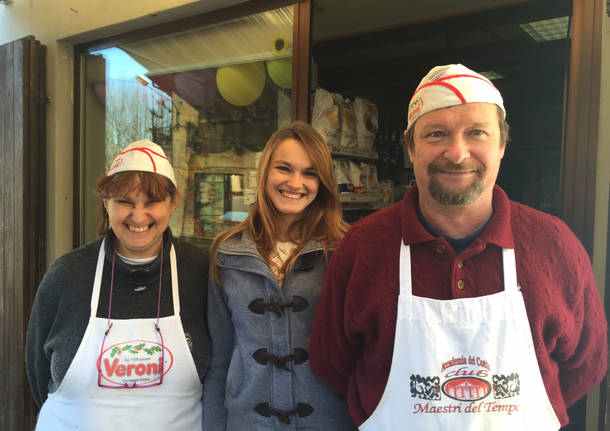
<point>456,197</point>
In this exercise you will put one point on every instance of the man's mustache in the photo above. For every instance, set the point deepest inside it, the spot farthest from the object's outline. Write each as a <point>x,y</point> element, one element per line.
<point>455,167</point>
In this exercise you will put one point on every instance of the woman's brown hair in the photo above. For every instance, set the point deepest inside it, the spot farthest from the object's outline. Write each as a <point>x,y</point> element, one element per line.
<point>322,219</point>
<point>157,187</point>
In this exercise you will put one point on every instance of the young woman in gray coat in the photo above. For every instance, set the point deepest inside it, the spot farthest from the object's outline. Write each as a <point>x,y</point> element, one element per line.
<point>266,277</point>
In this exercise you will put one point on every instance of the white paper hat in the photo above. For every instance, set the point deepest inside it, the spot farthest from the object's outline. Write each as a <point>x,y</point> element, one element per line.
<point>450,85</point>
<point>143,155</point>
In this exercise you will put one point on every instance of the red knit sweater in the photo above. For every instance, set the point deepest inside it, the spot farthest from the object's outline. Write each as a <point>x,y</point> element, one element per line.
<point>353,332</point>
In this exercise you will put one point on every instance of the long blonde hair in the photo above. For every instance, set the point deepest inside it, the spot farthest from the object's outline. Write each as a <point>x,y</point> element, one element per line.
<point>321,220</point>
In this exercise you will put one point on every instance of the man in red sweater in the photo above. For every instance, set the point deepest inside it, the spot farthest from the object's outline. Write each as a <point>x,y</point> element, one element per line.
<point>457,308</point>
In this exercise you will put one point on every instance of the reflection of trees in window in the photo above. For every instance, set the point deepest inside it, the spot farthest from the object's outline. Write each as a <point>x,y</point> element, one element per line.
<point>161,129</point>
<point>136,111</point>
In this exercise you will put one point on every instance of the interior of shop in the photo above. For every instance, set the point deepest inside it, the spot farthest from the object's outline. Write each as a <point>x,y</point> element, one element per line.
<point>523,47</point>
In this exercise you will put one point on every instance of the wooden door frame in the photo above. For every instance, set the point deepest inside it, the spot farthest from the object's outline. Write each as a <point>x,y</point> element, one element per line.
<point>301,60</point>
<point>23,207</point>
<point>582,120</point>
<point>581,140</point>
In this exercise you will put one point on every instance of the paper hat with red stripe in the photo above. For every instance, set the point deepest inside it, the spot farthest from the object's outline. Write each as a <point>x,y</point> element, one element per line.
<point>143,155</point>
<point>450,85</point>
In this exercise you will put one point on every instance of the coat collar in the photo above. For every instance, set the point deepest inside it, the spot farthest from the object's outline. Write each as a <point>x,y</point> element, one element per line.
<point>243,244</point>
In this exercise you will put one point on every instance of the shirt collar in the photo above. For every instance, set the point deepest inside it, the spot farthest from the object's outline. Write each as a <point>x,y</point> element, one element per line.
<point>137,270</point>
<point>498,232</point>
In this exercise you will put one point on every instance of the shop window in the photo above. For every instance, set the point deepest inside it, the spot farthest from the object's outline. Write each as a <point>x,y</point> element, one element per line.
<point>379,54</point>
<point>211,97</point>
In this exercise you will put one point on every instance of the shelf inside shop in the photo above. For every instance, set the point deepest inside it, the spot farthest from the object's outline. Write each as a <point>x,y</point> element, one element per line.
<point>347,197</point>
<point>354,153</point>
<point>372,206</point>
<point>388,143</point>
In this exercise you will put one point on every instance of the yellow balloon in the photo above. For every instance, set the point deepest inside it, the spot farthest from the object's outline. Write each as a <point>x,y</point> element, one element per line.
<point>242,84</point>
<point>280,71</point>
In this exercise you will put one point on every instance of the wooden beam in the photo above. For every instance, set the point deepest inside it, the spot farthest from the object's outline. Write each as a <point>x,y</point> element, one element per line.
<point>301,60</point>
<point>22,207</point>
<point>582,121</point>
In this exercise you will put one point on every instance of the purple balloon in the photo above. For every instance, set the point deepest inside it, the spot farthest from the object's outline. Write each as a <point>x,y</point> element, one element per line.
<point>99,89</point>
<point>197,87</point>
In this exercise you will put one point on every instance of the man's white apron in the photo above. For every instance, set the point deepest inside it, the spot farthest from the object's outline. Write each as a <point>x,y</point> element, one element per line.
<point>132,355</point>
<point>463,364</point>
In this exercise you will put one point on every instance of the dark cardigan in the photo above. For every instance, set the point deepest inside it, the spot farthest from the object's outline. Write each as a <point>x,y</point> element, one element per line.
<point>61,309</point>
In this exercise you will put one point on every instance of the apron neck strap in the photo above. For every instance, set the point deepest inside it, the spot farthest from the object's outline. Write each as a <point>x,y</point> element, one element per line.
<point>174,271</point>
<point>99,270</point>
<point>97,281</point>
<point>405,285</point>
<point>509,268</point>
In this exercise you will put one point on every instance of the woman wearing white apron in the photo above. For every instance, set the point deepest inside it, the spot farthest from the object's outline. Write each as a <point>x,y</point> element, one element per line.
<point>474,367</point>
<point>136,358</point>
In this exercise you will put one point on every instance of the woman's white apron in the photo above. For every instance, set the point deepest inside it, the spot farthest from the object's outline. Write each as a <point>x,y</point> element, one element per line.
<point>132,354</point>
<point>463,364</point>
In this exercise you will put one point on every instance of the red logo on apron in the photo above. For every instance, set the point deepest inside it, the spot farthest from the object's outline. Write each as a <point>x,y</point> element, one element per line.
<point>466,388</point>
<point>135,361</point>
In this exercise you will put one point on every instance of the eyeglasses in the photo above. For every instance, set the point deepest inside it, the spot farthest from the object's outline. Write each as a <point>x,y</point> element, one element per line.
<point>140,368</point>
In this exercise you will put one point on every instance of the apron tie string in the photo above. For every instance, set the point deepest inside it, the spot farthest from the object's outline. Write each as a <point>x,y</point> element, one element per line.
<point>158,296</point>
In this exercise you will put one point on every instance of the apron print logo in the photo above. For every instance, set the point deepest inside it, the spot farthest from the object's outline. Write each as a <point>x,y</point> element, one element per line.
<point>415,106</point>
<point>464,385</point>
<point>136,361</point>
<point>506,386</point>
<point>425,388</point>
<point>466,388</point>
<point>466,378</point>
